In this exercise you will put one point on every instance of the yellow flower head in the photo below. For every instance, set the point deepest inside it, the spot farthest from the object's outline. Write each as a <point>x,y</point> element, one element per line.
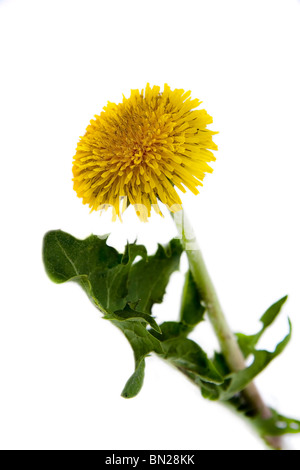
<point>141,149</point>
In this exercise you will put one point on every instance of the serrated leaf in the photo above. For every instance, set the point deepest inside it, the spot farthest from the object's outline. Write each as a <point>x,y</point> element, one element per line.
<point>114,290</point>
<point>97,267</point>
<point>192,311</point>
<point>187,355</point>
<point>125,292</point>
<point>234,383</point>
<point>247,343</point>
<point>149,277</point>
<point>111,279</point>
<point>65,257</point>
<point>240,380</point>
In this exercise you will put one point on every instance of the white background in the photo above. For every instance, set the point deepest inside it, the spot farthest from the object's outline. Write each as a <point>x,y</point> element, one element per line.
<point>62,367</point>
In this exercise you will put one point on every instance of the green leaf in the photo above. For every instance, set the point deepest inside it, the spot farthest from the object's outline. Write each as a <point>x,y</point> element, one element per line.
<point>277,425</point>
<point>240,380</point>
<point>189,358</point>
<point>192,311</point>
<point>111,279</point>
<point>142,343</point>
<point>170,330</point>
<point>149,277</point>
<point>123,290</point>
<point>97,267</point>
<point>220,363</point>
<point>132,315</point>
<point>135,382</point>
<point>212,391</point>
<point>233,383</point>
<point>187,355</point>
<point>247,343</point>
<point>209,391</point>
<point>67,258</point>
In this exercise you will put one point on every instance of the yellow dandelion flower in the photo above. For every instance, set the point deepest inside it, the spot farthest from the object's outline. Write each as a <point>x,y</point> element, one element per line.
<point>139,150</point>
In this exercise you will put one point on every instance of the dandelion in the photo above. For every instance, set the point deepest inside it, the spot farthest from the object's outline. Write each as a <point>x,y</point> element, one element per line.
<point>140,150</point>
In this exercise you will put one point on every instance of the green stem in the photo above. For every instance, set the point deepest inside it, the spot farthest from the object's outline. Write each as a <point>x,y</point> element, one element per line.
<point>227,340</point>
